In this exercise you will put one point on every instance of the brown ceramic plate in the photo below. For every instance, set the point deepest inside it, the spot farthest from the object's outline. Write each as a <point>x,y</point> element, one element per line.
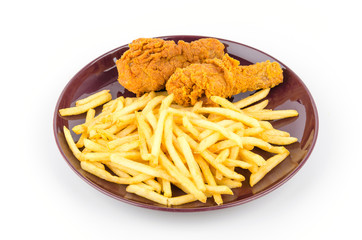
<point>291,94</point>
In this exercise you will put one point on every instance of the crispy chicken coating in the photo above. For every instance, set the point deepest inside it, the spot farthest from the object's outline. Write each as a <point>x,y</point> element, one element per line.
<point>221,77</point>
<point>149,62</point>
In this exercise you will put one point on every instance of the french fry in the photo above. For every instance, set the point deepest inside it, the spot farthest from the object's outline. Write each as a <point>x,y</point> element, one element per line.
<point>222,123</point>
<point>222,156</point>
<point>90,115</point>
<point>188,125</point>
<point>208,177</point>
<point>253,131</point>
<point>276,132</point>
<point>152,104</point>
<point>213,126</point>
<point>84,108</point>
<point>270,164</point>
<point>191,162</point>
<point>278,140</point>
<point>252,99</point>
<point>93,146</point>
<point>91,97</point>
<point>180,200</point>
<point>257,107</point>
<point>146,193</point>
<point>224,103</point>
<point>140,167</point>
<point>126,131</point>
<point>221,189</point>
<point>229,182</point>
<point>253,157</point>
<point>121,140</point>
<point>238,116</point>
<point>166,188</point>
<point>128,146</point>
<point>236,163</point>
<point>223,145</point>
<point>218,166</point>
<point>136,105</point>
<point>273,115</point>
<point>99,172</point>
<point>171,149</point>
<point>182,180</point>
<point>73,147</point>
<point>157,138</point>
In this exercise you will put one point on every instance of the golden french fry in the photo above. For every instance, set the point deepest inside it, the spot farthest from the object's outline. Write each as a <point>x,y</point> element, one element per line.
<point>234,152</point>
<point>270,164</point>
<point>209,141</point>
<point>224,103</point>
<point>276,132</point>
<point>190,128</point>
<point>73,147</point>
<point>157,138</point>
<point>197,106</point>
<point>129,146</point>
<point>222,123</point>
<point>140,167</point>
<point>166,102</point>
<point>257,142</point>
<point>278,140</point>
<point>170,147</point>
<point>166,188</point>
<point>222,145</point>
<point>220,189</point>
<point>208,177</point>
<point>146,193</point>
<point>236,163</point>
<point>252,99</point>
<point>135,106</point>
<point>252,131</point>
<point>273,115</point>
<point>257,107</point>
<point>220,167</point>
<point>126,131</point>
<point>152,104</point>
<point>84,108</point>
<point>96,147</point>
<point>96,156</point>
<point>182,180</point>
<point>142,137</point>
<point>193,144</point>
<point>191,163</point>
<point>187,198</point>
<point>230,183</point>
<point>222,156</point>
<point>99,172</point>
<point>250,156</point>
<point>91,97</point>
<point>225,132</point>
<point>122,140</point>
<point>238,116</point>
<point>266,125</point>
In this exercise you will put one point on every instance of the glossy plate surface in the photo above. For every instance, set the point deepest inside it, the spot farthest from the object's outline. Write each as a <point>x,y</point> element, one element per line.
<point>291,94</point>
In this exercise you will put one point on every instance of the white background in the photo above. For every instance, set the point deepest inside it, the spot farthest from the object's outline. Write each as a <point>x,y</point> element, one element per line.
<point>45,43</point>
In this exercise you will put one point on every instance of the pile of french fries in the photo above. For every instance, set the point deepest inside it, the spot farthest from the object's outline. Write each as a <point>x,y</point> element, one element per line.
<point>150,144</point>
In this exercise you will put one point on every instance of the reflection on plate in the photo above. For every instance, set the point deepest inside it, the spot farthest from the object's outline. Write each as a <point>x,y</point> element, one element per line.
<point>291,94</point>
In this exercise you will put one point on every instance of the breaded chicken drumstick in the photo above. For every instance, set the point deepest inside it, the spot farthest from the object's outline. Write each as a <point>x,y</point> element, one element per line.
<point>222,78</point>
<point>149,62</point>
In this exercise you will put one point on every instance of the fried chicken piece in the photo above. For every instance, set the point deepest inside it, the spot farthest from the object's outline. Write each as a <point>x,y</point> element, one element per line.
<point>149,62</point>
<point>222,78</point>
